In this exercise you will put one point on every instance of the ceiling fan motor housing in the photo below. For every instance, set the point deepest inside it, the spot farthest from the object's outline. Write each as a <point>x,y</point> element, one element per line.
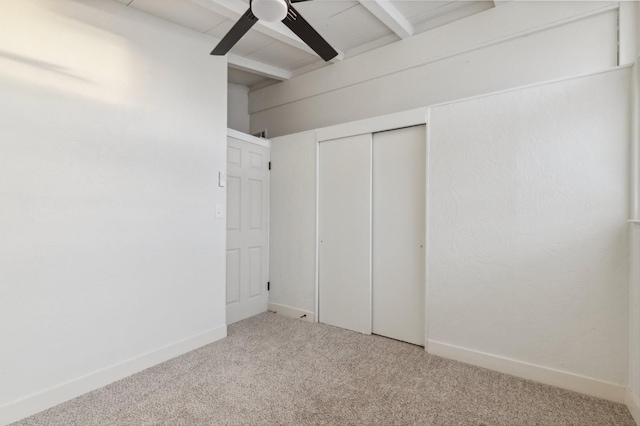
<point>269,10</point>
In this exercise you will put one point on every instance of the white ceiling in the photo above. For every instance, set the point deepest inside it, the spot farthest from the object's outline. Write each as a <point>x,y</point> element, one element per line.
<point>270,52</point>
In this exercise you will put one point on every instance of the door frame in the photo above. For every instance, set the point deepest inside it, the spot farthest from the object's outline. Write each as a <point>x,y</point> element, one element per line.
<point>248,138</point>
<point>410,118</point>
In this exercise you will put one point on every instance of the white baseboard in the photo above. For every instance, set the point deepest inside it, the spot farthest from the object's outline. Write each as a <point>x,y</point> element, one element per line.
<point>633,404</point>
<point>58,394</point>
<point>548,376</point>
<point>288,311</point>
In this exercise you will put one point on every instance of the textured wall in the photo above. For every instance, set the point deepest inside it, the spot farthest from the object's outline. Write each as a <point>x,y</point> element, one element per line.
<point>238,107</point>
<point>527,234</point>
<point>113,130</point>
<point>634,282</point>
<point>634,314</point>
<point>479,54</point>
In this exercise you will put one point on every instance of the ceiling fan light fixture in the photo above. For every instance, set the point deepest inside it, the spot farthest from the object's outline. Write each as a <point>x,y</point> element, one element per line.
<point>269,10</point>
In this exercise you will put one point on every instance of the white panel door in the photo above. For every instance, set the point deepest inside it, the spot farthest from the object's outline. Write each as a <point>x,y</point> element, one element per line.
<point>345,233</point>
<point>247,229</point>
<point>399,194</point>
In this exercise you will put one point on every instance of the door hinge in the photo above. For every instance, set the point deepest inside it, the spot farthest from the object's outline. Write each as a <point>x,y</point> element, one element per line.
<point>269,165</point>
<point>268,285</point>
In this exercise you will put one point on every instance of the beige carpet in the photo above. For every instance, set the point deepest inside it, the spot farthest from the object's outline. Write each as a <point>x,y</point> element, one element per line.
<point>273,370</point>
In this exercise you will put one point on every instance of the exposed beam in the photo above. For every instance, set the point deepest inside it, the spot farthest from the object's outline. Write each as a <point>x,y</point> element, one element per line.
<point>245,64</point>
<point>456,14</point>
<point>387,13</point>
<point>255,67</point>
<point>233,9</point>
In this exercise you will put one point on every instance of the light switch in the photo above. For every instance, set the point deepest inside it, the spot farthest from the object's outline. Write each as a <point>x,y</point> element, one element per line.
<point>219,211</point>
<point>222,179</point>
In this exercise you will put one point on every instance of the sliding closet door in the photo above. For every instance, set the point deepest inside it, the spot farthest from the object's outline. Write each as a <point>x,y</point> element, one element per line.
<point>345,233</point>
<point>399,193</point>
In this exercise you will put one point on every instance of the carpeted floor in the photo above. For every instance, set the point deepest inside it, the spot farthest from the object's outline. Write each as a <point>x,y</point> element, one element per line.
<point>273,370</point>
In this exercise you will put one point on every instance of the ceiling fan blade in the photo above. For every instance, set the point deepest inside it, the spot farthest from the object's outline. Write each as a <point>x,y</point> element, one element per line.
<point>240,28</point>
<point>305,31</point>
<point>297,1</point>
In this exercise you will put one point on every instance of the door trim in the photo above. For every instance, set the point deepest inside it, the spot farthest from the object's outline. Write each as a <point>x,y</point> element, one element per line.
<point>414,117</point>
<point>248,138</point>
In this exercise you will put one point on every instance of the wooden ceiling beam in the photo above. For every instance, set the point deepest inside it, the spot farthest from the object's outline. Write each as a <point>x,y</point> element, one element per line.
<point>255,67</point>
<point>389,15</point>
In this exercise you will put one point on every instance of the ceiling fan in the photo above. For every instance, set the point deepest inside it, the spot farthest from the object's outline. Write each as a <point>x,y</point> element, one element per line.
<point>273,11</point>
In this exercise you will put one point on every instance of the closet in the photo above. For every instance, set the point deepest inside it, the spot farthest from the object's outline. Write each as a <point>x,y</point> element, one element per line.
<point>371,224</point>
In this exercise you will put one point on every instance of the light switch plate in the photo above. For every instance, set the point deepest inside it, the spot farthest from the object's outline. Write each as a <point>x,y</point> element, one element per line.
<point>219,211</point>
<point>222,179</point>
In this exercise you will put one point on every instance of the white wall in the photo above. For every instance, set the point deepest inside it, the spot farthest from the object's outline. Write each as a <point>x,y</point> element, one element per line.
<point>634,235</point>
<point>515,44</point>
<point>527,233</point>
<point>293,222</point>
<point>238,107</point>
<point>528,245</point>
<point>113,131</point>
<point>637,29</point>
<point>633,397</point>
<point>634,324</point>
<point>628,29</point>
